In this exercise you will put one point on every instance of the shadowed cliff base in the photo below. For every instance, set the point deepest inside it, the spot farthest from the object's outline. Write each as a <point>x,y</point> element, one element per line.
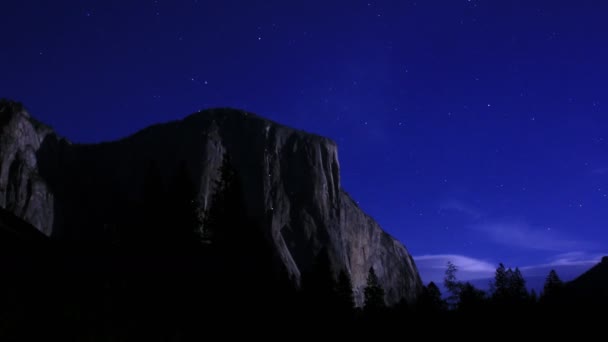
<point>289,179</point>
<point>140,250</point>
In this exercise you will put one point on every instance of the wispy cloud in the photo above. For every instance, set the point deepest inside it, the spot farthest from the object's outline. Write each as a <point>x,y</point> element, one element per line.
<point>461,207</point>
<point>522,235</point>
<point>566,264</point>
<point>575,258</point>
<point>515,233</point>
<point>432,267</point>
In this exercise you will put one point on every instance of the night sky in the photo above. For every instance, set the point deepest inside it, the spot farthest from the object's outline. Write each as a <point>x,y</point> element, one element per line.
<point>473,131</point>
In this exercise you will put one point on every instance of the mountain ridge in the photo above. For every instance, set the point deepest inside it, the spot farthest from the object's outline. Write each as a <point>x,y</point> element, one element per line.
<point>291,182</point>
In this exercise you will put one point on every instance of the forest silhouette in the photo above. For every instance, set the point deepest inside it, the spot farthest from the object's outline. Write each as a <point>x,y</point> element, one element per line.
<point>146,281</point>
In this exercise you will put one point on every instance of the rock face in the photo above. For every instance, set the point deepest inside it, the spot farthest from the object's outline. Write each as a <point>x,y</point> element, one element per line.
<point>291,183</point>
<point>22,190</point>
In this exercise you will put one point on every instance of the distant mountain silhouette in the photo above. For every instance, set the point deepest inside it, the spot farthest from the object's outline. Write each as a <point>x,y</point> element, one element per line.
<point>590,288</point>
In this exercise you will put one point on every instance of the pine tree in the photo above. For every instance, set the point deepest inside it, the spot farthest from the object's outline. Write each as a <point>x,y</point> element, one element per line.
<point>344,292</point>
<point>553,287</point>
<point>430,301</point>
<point>319,284</point>
<point>533,298</point>
<point>517,288</point>
<point>374,293</point>
<point>452,285</point>
<point>500,287</point>
<point>470,298</point>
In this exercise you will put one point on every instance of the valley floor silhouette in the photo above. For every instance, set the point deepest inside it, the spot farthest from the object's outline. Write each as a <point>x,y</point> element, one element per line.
<point>155,266</point>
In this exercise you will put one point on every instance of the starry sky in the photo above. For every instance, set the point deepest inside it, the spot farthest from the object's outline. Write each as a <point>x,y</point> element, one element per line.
<point>473,131</point>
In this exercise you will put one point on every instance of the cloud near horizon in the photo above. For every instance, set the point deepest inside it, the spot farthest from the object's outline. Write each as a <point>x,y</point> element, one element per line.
<point>564,264</point>
<point>432,267</point>
<point>567,265</point>
<point>515,233</point>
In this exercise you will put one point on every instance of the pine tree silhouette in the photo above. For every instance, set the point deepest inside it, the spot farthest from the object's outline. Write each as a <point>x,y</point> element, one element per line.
<point>471,299</point>
<point>552,290</point>
<point>373,293</point>
<point>430,300</point>
<point>318,284</point>
<point>500,286</point>
<point>344,292</point>
<point>518,293</point>
<point>452,285</point>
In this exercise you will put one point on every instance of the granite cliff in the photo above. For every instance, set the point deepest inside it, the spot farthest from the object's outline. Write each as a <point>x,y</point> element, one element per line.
<point>291,183</point>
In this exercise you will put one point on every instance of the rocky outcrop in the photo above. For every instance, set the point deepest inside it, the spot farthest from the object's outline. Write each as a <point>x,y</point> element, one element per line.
<point>22,190</point>
<point>291,183</point>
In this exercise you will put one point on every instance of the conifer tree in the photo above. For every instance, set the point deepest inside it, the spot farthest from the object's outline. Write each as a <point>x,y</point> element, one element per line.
<point>374,293</point>
<point>430,301</point>
<point>344,292</point>
<point>452,285</point>
<point>470,298</point>
<point>553,287</point>
<point>500,286</point>
<point>518,293</point>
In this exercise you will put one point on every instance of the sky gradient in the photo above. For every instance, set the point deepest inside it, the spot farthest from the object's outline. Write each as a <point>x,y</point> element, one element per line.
<point>473,131</point>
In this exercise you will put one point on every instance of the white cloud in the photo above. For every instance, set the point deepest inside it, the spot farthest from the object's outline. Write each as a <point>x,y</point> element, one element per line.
<point>432,267</point>
<point>567,265</point>
<point>481,272</point>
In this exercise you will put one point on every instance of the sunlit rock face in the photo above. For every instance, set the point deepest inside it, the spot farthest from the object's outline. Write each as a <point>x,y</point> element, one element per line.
<point>290,180</point>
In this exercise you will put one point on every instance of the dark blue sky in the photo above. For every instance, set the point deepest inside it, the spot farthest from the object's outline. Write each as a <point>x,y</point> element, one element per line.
<point>475,131</point>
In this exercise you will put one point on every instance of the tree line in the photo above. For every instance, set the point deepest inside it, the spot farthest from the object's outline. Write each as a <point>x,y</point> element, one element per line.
<point>508,293</point>
<point>170,271</point>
